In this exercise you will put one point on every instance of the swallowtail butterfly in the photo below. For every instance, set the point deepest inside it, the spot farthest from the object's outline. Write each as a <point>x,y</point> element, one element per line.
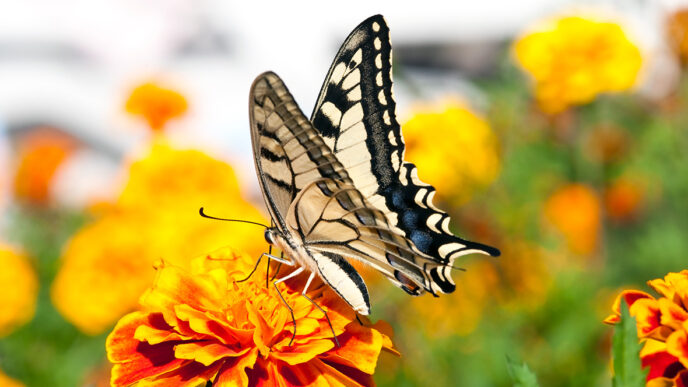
<point>337,186</point>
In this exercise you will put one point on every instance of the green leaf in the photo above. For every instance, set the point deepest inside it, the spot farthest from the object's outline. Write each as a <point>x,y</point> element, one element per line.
<point>628,371</point>
<point>521,374</point>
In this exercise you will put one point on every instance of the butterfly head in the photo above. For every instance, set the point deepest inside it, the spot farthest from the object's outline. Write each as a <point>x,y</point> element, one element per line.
<point>271,234</point>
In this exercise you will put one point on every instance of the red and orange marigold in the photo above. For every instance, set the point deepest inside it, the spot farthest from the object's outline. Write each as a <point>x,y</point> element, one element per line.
<point>203,325</point>
<point>662,326</point>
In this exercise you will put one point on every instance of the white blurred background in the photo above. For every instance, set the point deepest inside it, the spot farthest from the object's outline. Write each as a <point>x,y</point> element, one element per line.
<point>58,58</point>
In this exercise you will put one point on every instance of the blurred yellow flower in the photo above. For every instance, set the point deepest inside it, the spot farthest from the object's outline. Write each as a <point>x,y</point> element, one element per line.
<point>458,313</point>
<point>18,297</point>
<point>105,268</point>
<point>107,264</point>
<point>39,156</point>
<point>524,278</point>
<point>157,105</point>
<point>677,31</point>
<point>574,210</point>
<point>573,59</point>
<point>6,381</point>
<point>454,149</point>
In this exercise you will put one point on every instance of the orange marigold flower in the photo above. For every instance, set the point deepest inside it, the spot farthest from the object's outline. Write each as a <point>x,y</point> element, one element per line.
<point>677,31</point>
<point>573,59</point>
<point>623,199</point>
<point>203,325</point>
<point>157,105</point>
<point>574,210</point>
<point>663,327</point>
<point>40,155</point>
<point>18,300</point>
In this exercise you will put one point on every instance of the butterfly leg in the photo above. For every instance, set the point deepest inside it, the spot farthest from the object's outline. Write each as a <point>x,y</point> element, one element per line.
<point>279,266</point>
<point>291,311</point>
<point>303,293</point>
<point>270,256</point>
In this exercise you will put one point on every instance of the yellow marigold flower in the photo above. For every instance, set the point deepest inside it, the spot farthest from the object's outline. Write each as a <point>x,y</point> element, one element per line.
<point>105,266</point>
<point>574,210</point>
<point>40,154</point>
<point>203,326</point>
<point>663,327</point>
<point>677,31</point>
<point>157,105</point>
<point>18,298</point>
<point>454,149</point>
<point>6,381</point>
<point>573,59</point>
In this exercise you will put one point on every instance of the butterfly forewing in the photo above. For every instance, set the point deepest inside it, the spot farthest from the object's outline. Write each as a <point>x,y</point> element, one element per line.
<point>355,113</point>
<point>289,153</point>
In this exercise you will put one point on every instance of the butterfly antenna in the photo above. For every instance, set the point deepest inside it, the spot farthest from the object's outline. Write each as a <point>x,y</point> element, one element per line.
<point>203,214</point>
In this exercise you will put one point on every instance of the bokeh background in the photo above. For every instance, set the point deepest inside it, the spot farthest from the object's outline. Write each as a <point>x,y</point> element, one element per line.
<point>554,130</point>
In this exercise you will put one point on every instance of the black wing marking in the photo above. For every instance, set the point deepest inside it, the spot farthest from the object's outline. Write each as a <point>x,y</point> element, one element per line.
<point>355,113</point>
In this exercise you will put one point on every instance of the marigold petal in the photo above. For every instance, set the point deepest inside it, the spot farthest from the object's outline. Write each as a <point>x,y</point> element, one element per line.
<point>660,382</point>
<point>207,324</point>
<point>340,374</point>
<point>360,348</point>
<point>263,333</point>
<point>660,364</point>
<point>173,286</point>
<point>190,375</point>
<point>120,343</point>
<point>672,314</point>
<point>677,345</point>
<point>303,352</point>
<point>233,371</point>
<point>205,352</point>
<point>387,335</point>
<point>147,361</point>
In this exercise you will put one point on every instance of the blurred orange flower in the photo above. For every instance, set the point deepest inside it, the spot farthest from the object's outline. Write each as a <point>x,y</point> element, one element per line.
<point>105,266</point>
<point>18,297</point>
<point>6,381</point>
<point>203,326</point>
<point>157,105</point>
<point>573,59</point>
<point>663,327</point>
<point>432,137</point>
<point>40,154</point>
<point>623,199</point>
<point>677,31</point>
<point>574,210</point>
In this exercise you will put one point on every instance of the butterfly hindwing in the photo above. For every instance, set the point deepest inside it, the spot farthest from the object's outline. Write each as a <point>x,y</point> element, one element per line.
<point>355,113</point>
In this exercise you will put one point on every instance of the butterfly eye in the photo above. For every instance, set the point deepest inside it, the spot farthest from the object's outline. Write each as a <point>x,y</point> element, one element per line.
<point>268,236</point>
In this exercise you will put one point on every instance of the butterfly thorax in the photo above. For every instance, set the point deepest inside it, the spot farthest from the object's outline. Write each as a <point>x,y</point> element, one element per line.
<point>291,247</point>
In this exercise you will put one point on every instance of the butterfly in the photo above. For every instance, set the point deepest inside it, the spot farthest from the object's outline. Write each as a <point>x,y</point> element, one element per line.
<point>337,186</point>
